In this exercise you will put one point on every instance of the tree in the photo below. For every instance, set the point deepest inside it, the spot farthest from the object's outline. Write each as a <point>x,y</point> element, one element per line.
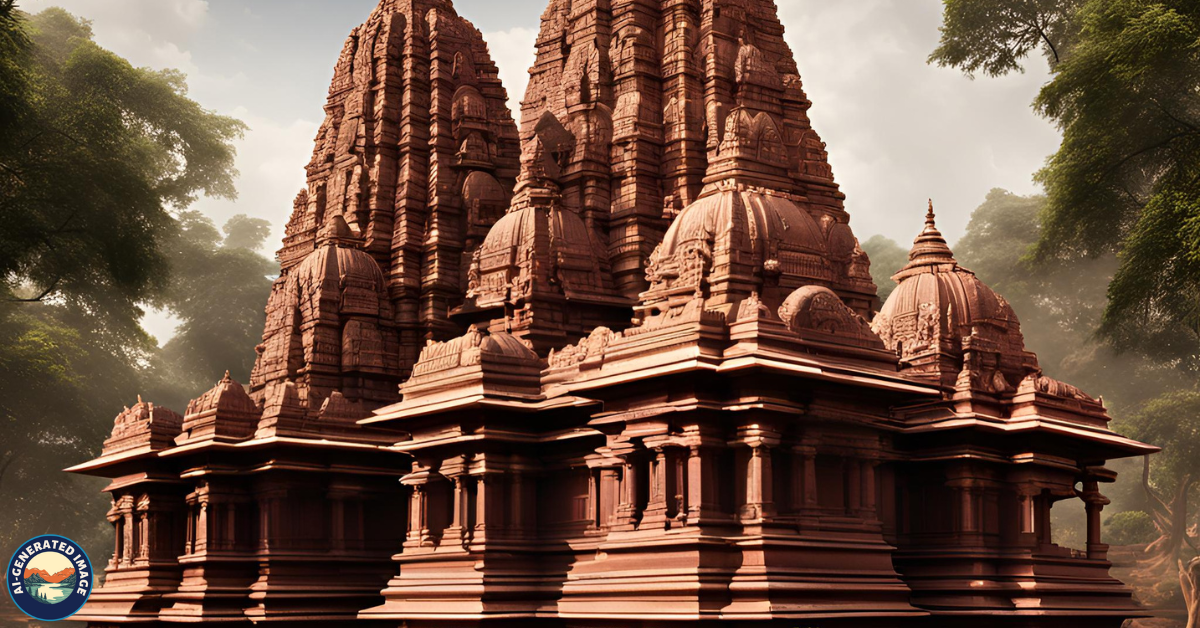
<point>218,291</point>
<point>1126,178</point>
<point>98,162</point>
<point>996,35</point>
<point>886,257</point>
<point>1171,421</point>
<point>94,160</point>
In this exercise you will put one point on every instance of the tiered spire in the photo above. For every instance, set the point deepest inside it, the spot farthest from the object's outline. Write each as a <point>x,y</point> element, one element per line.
<point>930,247</point>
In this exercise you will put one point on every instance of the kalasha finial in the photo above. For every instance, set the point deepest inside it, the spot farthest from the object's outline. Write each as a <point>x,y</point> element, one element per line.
<point>226,378</point>
<point>930,247</point>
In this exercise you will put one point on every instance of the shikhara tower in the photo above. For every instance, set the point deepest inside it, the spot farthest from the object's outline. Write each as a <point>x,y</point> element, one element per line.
<point>612,367</point>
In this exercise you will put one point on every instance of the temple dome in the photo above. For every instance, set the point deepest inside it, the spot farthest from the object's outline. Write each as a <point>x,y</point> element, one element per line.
<point>518,228</point>
<point>732,237</point>
<point>538,246</point>
<point>752,221</point>
<point>937,304</point>
<point>350,267</point>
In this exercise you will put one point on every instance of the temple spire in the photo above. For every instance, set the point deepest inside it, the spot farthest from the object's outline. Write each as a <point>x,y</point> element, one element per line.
<point>930,246</point>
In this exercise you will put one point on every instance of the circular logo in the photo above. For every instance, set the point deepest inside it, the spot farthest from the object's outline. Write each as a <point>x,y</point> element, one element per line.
<point>49,577</point>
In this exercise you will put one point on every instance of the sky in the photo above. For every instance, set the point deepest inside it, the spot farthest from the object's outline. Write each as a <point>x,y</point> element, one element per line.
<point>898,130</point>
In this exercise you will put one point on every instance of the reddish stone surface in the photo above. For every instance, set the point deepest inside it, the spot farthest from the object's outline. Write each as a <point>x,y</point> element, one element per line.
<point>632,374</point>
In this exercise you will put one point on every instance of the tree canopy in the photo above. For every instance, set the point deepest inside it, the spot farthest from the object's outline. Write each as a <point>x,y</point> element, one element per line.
<point>1126,94</point>
<point>96,156</point>
<point>886,257</point>
<point>98,163</point>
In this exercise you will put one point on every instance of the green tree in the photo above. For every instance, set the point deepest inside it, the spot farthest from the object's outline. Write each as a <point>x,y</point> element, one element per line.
<point>219,287</point>
<point>1126,178</point>
<point>97,157</point>
<point>98,162</point>
<point>996,35</point>
<point>886,257</point>
<point>1171,421</point>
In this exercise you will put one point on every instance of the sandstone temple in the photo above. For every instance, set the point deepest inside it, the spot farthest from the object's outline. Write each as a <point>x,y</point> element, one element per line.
<point>619,365</point>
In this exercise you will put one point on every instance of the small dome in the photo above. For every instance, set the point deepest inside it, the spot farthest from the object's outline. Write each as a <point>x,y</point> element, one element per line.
<point>346,270</point>
<point>566,252</point>
<point>937,303</point>
<point>733,241</point>
<point>756,223</point>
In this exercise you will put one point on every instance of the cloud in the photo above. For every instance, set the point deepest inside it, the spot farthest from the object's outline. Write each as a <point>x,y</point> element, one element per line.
<point>270,160</point>
<point>513,52</point>
<point>899,130</point>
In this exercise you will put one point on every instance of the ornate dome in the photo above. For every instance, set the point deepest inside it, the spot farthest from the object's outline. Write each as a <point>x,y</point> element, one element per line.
<point>732,238</point>
<point>537,244</point>
<point>338,270</point>
<point>937,305</point>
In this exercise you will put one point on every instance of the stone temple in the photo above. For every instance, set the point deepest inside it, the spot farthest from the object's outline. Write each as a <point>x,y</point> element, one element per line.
<point>620,365</point>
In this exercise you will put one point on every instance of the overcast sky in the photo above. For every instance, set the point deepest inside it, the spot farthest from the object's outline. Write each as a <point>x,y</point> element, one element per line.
<point>898,130</point>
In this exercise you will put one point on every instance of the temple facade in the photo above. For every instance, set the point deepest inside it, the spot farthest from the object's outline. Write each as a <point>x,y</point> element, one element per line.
<point>622,365</point>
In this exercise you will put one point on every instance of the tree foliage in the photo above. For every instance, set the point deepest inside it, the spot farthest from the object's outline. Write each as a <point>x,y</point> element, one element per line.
<point>98,163</point>
<point>1126,94</point>
<point>886,257</point>
<point>100,154</point>
<point>218,290</point>
<point>994,36</point>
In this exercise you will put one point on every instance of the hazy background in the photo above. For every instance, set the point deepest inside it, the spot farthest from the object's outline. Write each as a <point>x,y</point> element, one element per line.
<point>899,130</point>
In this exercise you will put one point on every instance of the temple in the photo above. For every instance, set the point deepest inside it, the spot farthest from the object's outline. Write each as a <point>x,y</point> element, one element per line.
<point>622,365</point>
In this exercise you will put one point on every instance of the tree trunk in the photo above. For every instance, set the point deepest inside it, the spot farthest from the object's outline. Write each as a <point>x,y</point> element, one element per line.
<point>1189,581</point>
<point>1165,553</point>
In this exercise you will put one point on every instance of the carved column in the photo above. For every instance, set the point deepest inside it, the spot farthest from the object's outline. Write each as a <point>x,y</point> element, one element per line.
<point>667,473</point>
<point>1094,503</point>
<point>870,509</point>
<point>114,517</point>
<point>759,503</point>
<point>703,501</point>
<point>201,528</point>
<point>144,518</point>
<point>628,510</point>
<point>485,484</point>
<point>804,484</point>
<point>128,541</point>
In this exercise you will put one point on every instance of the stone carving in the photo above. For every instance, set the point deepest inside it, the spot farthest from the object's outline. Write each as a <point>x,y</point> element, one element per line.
<point>682,454</point>
<point>818,309</point>
<point>143,425</point>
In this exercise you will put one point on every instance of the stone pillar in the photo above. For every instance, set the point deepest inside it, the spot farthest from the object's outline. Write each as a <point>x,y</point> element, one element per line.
<point>870,509</point>
<point>759,503</point>
<point>144,518</point>
<point>854,484</point>
<point>114,517</point>
<point>593,499</point>
<point>629,512</point>
<point>128,526</point>
<point>484,518</point>
<point>703,502</point>
<point>201,537</point>
<point>1094,503</point>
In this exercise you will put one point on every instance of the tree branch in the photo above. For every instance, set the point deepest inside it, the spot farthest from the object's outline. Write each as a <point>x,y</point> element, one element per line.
<point>41,296</point>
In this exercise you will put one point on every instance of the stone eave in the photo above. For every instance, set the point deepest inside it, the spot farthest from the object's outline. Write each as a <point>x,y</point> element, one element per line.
<point>397,412</point>
<point>1125,446</point>
<point>275,464</point>
<point>113,466</point>
<point>110,460</point>
<point>495,436</point>
<point>133,479</point>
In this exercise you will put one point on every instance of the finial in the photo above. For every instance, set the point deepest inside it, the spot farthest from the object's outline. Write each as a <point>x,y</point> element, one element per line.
<point>226,378</point>
<point>929,247</point>
<point>139,399</point>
